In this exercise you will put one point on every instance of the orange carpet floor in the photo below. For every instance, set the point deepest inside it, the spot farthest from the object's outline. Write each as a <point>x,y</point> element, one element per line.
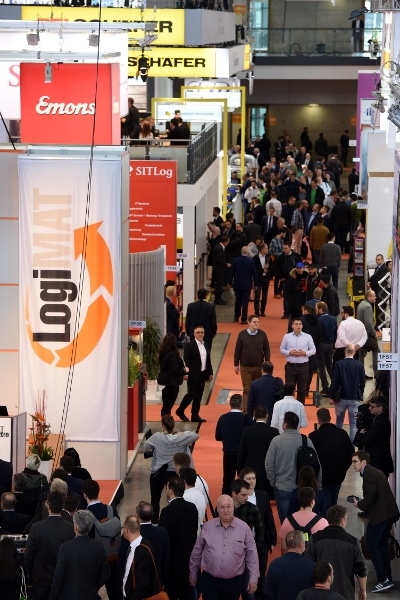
<point>208,452</point>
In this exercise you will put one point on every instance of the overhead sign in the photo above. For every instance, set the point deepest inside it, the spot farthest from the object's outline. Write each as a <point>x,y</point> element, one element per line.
<point>388,361</point>
<point>193,112</point>
<point>232,96</point>
<point>69,291</point>
<point>176,62</point>
<point>63,111</point>
<point>152,206</point>
<point>170,28</point>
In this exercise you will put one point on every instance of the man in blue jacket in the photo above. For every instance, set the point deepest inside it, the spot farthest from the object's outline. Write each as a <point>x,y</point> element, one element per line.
<point>242,278</point>
<point>347,388</point>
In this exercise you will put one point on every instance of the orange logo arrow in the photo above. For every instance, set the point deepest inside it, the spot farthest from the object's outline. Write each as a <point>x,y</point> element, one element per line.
<point>99,267</point>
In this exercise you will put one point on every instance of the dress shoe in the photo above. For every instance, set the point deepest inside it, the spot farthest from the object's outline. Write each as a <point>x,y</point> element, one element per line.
<point>285,317</point>
<point>220,302</point>
<point>278,296</point>
<point>198,419</point>
<point>235,320</point>
<point>362,515</point>
<point>325,392</point>
<point>368,377</point>
<point>257,314</point>
<point>263,315</point>
<point>181,415</point>
<point>243,322</point>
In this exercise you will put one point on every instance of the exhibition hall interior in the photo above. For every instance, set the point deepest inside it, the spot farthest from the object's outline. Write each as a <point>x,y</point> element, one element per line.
<point>199,214</point>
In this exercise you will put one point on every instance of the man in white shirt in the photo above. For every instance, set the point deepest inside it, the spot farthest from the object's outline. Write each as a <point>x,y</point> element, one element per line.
<point>183,460</point>
<point>191,494</point>
<point>288,403</point>
<point>350,331</point>
<point>297,347</point>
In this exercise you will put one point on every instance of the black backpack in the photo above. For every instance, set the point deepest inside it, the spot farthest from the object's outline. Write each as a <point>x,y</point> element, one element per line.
<point>306,529</point>
<point>307,456</point>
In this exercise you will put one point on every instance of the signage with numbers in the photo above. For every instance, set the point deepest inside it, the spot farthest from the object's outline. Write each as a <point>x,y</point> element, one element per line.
<point>137,324</point>
<point>388,361</point>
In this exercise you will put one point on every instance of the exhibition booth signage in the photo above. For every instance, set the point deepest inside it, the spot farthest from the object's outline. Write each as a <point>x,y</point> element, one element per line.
<point>64,110</point>
<point>170,29</point>
<point>153,207</point>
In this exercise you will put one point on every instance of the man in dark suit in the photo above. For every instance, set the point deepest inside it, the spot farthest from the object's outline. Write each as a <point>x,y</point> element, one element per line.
<point>257,211</point>
<point>104,512</point>
<point>25,504</point>
<point>82,567</point>
<point>202,313</point>
<point>179,131</point>
<point>6,473</point>
<point>139,578</point>
<point>269,225</point>
<point>172,312</point>
<point>220,264</point>
<point>157,536</point>
<point>380,504</point>
<point>265,391</point>
<point>254,445</point>
<point>74,484</point>
<point>229,431</point>
<point>315,194</point>
<point>252,229</point>
<point>11,521</point>
<point>180,519</point>
<point>334,464</point>
<point>242,277</point>
<point>375,439</point>
<point>44,541</point>
<point>197,359</point>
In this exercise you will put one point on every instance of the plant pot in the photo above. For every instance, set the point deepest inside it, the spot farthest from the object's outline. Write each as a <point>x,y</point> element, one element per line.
<point>46,468</point>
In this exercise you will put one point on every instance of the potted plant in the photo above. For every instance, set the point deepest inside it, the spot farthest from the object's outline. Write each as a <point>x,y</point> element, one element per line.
<point>40,433</point>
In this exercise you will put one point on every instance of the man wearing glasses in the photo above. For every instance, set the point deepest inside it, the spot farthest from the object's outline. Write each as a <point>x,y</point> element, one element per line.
<point>196,356</point>
<point>383,511</point>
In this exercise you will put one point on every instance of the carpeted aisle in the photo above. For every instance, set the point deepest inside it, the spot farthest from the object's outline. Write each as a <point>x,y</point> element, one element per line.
<point>208,452</point>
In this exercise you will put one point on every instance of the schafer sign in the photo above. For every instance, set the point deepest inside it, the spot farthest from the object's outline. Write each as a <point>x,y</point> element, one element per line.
<point>65,110</point>
<point>69,290</point>
<point>176,62</point>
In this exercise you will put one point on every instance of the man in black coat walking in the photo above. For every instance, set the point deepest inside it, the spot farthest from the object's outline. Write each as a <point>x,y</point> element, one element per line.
<point>202,313</point>
<point>375,439</point>
<point>334,464</point>
<point>197,359</point>
<point>220,264</point>
<point>242,278</point>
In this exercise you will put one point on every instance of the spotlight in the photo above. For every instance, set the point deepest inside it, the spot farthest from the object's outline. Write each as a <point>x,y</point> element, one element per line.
<point>143,68</point>
<point>48,73</point>
<point>394,115</point>
<point>379,105</point>
<point>146,41</point>
<point>33,39</point>
<point>93,40</point>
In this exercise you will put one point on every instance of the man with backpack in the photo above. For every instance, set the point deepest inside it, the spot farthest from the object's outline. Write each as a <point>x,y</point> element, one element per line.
<point>106,529</point>
<point>305,519</point>
<point>288,452</point>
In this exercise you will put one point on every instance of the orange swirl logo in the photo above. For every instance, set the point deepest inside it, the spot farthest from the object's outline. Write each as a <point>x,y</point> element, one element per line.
<point>58,292</point>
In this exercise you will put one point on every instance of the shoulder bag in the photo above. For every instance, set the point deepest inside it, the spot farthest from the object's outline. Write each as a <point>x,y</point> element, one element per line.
<point>161,594</point>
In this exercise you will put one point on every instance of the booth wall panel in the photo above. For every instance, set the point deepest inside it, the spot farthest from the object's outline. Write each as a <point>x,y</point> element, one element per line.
<point>8,327</point>
<point>9,250</point>
<point>146,278</point>
<point>9,368</point>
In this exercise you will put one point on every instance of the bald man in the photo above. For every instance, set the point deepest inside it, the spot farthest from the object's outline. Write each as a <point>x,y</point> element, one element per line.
<point>224,549</point>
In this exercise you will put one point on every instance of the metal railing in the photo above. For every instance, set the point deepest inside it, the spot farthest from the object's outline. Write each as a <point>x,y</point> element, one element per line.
<point>200,273</point>
<point>298,42</point>
<point>193,158</point>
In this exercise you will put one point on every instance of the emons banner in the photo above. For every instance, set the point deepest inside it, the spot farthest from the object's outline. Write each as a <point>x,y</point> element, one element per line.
<point>69,292</point>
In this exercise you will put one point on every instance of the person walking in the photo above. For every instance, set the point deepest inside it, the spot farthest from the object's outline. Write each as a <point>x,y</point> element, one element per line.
<point>330,258</point>
<point>242,278</point>
<point>202,313</point>
<point>365,314</point>
<point>297,347</point>
<point>251,350</point>
<point>347,389</point>
<point>172,372</point>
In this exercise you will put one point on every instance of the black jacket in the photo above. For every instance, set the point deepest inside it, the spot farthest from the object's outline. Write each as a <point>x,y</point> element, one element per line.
<point>201,313</point>
<point>180,519</point>
<point>376,441</point>
<point>192,360</point>
<point>144,574</point>
<point>331,299</point>
<point>13,522</point>
<point>340,217</point>
<point>293,289</point>
<point>285,263</point>
<point>349,378</point>
<point>334,450</point>
<point>313,327</point>
<point>6,473</point>
<point>229,430</point>
<point>254,444</point>
<point>171,369</point>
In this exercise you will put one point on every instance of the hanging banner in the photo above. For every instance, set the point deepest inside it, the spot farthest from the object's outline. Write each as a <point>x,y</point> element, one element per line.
<point>69,292</point>
<point>152,207</point>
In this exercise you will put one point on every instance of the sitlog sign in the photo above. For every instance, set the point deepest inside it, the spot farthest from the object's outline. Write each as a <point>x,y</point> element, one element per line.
<point>170,28</point>
<point>152,207</point>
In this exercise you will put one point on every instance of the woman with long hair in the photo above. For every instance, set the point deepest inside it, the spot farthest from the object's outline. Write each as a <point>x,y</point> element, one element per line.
<point>306,478</point>
<point>10,571</point>
<point>172,372</point>
<point>164,445</point>
<point>145,131</point>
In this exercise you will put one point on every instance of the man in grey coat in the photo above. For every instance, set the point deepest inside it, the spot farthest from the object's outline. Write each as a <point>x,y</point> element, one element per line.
<point>365,314</point>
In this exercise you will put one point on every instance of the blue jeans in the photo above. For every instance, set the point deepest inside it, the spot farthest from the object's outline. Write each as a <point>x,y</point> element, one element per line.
<point>377,539</point>
<point>282,503</point>
<point>351,406</point>
<point>331,493</point>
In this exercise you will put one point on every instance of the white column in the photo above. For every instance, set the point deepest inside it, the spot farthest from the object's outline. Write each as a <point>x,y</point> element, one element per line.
<point>188,248</point>
<point>163,87</point>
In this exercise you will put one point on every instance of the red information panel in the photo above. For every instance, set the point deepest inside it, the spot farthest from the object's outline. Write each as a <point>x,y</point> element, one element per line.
<point>152,207</point>
<point>62,111</point>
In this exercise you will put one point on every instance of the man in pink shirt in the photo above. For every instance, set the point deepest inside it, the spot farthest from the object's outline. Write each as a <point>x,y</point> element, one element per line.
<point>305,519</point>
<point>224,548</point>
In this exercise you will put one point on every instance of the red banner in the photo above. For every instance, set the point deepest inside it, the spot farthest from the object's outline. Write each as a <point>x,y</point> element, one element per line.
<point>152,207</point>
<point>62,111</point>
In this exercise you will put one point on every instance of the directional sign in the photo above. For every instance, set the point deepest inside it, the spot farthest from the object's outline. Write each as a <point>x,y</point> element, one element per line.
<point>388,361</point>
<point>182,255</point>
<point>137,324</point>
<point>173,268</point>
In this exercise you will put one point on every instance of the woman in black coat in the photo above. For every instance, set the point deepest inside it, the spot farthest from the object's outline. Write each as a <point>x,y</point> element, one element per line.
<point>10,571</point>
<point>172,372</point>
